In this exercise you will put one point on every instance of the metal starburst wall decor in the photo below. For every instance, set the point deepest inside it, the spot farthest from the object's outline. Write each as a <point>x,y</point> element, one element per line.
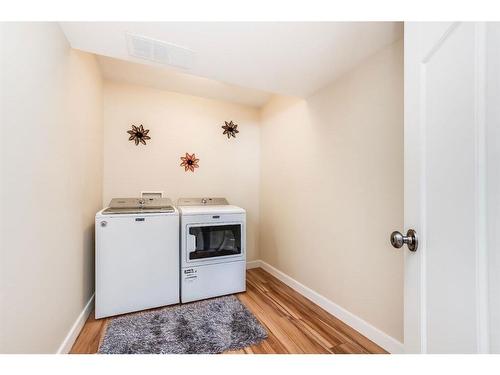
<point>138,134</point>
<point>189,162</point>
<point>230,129</point>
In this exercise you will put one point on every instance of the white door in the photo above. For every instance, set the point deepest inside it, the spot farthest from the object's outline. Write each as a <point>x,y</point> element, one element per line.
<point>446,279</point>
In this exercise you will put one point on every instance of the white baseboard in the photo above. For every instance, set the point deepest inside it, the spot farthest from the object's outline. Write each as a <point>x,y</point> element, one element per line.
<point>73,333</point>
<point>377,336</point>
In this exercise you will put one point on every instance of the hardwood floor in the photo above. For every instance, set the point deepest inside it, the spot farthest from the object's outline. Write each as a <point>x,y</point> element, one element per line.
<point>294,324</point>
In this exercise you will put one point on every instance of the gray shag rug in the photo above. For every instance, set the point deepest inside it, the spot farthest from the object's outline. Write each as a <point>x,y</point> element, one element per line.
<point>203,327</point>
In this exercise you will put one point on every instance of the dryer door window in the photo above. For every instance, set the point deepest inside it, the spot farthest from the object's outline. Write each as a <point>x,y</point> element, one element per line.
<point>214,241</point>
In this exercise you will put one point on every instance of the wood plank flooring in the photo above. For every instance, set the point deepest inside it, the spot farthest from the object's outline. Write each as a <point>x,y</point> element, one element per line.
<point>294,324</point>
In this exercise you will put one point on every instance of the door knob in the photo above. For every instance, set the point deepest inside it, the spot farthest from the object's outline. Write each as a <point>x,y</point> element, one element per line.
<point>411,239</point>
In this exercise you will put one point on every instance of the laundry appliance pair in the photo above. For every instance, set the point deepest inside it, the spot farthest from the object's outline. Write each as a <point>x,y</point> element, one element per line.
<point>150,253</point>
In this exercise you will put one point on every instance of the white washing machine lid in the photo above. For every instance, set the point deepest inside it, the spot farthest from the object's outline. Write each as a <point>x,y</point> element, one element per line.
<point>139,206</point>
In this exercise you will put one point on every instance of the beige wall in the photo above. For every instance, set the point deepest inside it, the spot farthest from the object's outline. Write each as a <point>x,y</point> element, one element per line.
<point>179,124</point>
<point>51,184</point>
<point>332,189</point>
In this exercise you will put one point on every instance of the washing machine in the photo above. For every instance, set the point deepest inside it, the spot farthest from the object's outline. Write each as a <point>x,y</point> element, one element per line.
<point>212,248</point>
<point>137,256</point>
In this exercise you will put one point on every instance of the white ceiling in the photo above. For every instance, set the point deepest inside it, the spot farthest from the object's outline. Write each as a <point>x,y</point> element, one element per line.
<point>291,58</point>
<point>168,79</point>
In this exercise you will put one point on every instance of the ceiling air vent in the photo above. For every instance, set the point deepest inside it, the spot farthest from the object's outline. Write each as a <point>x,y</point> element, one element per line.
<point>159,52</point>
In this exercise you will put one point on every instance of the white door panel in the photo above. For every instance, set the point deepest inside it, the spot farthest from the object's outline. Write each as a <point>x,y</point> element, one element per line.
<point>446,304</point>
<point>448,84</point>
